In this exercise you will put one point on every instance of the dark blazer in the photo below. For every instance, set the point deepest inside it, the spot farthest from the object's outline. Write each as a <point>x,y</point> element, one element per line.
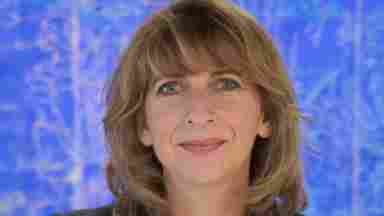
<point>102,211</point>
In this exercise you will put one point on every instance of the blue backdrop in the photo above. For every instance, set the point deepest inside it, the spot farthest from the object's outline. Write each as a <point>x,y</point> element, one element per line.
<point>56,54</point>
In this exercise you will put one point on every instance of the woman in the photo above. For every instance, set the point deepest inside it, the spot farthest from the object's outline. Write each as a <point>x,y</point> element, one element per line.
<point>202,119</point>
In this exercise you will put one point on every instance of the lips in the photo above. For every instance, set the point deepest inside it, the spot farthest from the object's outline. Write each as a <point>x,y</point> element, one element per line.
<point>203,142</point>
<point>202,147</point>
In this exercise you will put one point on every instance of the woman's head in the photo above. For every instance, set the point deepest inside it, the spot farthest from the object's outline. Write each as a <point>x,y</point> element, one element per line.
<point>182,47</point>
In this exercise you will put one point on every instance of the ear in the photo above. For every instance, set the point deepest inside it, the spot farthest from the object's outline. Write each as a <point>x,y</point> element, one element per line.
<point>146,137</point>
<point>265,130</point>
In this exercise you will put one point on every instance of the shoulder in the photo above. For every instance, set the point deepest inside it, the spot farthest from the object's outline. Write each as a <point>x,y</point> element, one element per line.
<point>100,211</point>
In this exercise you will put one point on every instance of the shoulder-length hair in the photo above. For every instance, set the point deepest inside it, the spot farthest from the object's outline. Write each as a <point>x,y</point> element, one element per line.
<point>171,42</point>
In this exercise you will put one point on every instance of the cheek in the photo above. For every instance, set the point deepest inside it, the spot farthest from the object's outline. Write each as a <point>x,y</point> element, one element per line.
<point>244,115</point>
<point>164,114</point>
<point>243,107</point>
<point>162,119</point>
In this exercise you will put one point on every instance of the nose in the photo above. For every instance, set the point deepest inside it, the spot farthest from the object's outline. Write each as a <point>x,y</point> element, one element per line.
<point>199,110</point>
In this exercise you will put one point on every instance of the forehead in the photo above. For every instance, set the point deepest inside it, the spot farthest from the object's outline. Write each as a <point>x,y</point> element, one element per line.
<point>193,63</point>
<point>215,72</point>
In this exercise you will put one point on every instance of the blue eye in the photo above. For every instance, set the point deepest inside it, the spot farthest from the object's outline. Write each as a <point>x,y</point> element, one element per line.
<point>163,88</point>
<point>170,88</point>
<point>230,83</point>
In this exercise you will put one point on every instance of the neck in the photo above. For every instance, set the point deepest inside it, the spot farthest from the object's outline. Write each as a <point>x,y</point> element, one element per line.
<point>218,199</point>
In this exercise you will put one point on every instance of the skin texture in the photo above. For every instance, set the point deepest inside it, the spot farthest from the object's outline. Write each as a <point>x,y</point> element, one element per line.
<point>200,106</point>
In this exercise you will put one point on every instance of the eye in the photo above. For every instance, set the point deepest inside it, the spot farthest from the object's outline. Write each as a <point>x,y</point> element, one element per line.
<point>230,83</point>
<point>167,88</point>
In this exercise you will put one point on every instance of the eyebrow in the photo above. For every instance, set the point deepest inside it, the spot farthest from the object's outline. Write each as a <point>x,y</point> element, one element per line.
<point>214,73</point>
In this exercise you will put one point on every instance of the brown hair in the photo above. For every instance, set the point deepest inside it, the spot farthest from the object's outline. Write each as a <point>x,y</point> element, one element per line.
<point>171,41</point>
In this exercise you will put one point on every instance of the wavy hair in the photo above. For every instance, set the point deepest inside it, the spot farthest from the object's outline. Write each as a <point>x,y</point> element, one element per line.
<point>171,41</point>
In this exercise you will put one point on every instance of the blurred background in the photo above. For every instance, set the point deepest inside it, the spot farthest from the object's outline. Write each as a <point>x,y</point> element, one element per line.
<point>55,56</point>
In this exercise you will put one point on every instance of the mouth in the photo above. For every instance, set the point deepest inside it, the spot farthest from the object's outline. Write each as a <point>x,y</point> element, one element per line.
<point>202,147</point>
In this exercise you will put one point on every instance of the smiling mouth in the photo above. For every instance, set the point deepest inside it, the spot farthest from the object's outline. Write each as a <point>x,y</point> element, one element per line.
<point>202,148</point>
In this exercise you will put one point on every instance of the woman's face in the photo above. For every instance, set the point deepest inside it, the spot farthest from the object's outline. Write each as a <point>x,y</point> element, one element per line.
<point>204,105</point>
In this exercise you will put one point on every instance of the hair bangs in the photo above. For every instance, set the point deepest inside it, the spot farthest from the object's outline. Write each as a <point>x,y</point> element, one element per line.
<point>186,46</point>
